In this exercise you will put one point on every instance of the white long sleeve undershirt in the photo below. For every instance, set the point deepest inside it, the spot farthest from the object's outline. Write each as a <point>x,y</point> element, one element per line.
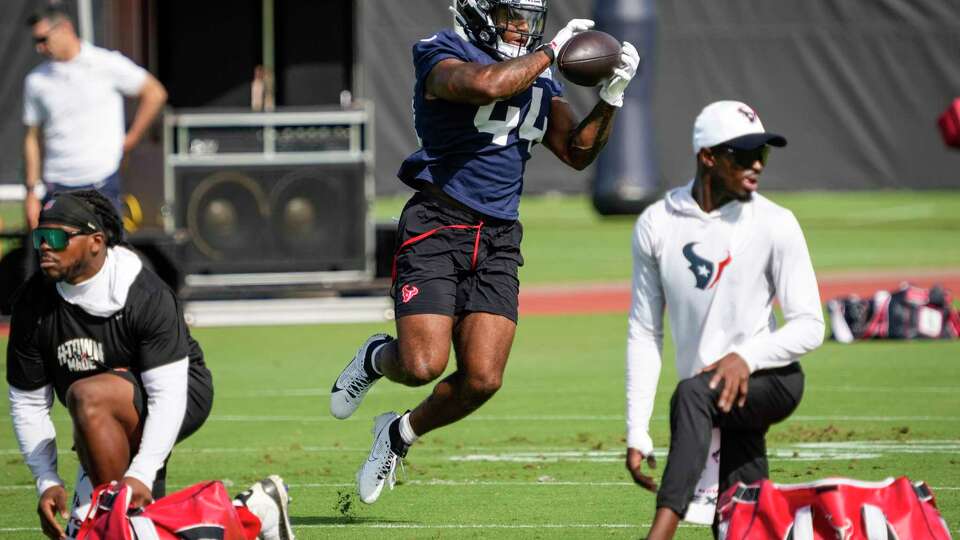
<point>36,436</point>
<point>166,388</point>
<point>644,348</point>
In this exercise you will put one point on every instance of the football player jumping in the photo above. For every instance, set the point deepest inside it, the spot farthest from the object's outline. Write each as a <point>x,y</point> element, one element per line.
<point>484,95</point>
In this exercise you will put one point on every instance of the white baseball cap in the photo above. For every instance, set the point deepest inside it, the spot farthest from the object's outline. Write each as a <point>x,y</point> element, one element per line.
<point>733,123</point>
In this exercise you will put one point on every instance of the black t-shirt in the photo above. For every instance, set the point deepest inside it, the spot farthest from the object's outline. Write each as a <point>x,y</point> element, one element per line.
<point>55,342</point>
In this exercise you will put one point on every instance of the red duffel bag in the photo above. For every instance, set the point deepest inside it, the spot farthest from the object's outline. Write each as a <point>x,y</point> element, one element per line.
<point>831,509</point>
<point>202,510</point>
<point>949,123</point>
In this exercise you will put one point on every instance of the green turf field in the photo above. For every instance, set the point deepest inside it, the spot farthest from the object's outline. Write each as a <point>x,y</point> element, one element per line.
<point>546,451</point>
<point>564,240</point>
<point>544,458</point>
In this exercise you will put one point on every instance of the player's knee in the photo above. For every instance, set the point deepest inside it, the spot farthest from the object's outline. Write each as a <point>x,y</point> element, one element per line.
<point>422,370</point>
<point>86,402</point>
<point>480,388</point>
<point>692,389</point>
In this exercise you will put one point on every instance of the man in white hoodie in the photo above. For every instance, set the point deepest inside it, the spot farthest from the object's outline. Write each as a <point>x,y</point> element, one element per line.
<point>718,254</point>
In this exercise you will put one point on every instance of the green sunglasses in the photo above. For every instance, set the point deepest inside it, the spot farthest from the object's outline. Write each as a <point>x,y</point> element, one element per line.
<point>57,239</point>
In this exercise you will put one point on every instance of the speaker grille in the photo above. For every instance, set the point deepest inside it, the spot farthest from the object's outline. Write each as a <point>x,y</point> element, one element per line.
<point>270,218</point>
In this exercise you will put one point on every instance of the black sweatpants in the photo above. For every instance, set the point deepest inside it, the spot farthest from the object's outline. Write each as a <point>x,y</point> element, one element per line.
<point>771,396</point>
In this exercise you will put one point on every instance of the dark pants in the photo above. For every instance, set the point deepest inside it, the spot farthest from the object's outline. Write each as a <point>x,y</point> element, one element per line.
<point>772,395</point>
<point>109,187</point>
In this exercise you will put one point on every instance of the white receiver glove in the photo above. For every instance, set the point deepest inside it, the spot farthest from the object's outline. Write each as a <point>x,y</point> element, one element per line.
<point>614,87</point>
<point>574,27</point>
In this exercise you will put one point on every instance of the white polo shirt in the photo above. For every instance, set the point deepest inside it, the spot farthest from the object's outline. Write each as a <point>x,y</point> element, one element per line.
<point>79,106</point>
<point>717,274</point>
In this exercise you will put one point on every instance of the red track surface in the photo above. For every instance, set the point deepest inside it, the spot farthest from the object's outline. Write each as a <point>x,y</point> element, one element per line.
<point>615,297</point>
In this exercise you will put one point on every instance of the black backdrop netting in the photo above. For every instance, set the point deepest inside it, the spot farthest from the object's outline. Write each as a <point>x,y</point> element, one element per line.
<point>855,86</point>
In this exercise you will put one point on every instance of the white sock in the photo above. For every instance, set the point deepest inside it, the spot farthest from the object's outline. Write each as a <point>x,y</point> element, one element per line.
<point>406,431</point>
<point>81,503</point>
<point>375,359</point>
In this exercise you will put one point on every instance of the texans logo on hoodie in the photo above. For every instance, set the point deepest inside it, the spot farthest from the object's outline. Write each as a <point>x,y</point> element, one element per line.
<point>703,270</point>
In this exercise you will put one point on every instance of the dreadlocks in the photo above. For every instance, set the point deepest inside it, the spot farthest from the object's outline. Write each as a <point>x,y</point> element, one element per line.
<point>103,208</point>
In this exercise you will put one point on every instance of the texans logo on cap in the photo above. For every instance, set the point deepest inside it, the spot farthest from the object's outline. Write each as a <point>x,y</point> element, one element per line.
<point>751,116</point>
<point>49,204</point>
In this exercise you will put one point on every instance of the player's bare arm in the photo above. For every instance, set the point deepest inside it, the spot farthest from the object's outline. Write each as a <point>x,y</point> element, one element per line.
<point>476,84</point>
<point>482,84</point>
<point>578,145</point>
<point>31,160</point>
<point>152,98</point>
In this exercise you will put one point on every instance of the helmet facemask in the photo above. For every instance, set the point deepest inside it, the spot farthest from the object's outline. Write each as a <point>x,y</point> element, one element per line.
<point>505,28</point>
<point>519,29</point>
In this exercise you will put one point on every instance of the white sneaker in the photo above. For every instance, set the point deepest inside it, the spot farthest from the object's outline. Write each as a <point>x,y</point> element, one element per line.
<point>354,382</point>
<point>380,466</point>
<point>268,500</point>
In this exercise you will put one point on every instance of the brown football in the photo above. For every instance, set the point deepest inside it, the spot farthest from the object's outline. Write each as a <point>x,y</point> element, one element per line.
<point>589,57</point>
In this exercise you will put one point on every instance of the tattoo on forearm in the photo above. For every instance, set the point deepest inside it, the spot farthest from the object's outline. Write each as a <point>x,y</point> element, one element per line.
<point>516,75</point>
<point>589,138</point>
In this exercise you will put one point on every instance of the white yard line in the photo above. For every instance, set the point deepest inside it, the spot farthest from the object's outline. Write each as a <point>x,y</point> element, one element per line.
<point>437,482</point>
<point>451,526</point>
<point>926,446</point>
<point>891,214</point>
<point>427,526</point>
<point>583,418</point>
<point>323,392</point>
<point>875,389</point>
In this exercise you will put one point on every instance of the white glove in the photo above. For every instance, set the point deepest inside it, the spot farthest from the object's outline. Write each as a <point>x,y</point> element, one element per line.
<point>574,27</point>
<point>614,87</point>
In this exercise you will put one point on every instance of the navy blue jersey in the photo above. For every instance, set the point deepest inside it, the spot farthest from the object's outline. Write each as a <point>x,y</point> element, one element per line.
<point>476,154</point>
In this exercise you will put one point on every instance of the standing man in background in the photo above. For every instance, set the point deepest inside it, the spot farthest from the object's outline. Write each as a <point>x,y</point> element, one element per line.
<point>718,254</point>
<point>73,112</point>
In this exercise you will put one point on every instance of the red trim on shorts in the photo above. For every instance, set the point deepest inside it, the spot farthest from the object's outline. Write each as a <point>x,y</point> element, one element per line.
<point>419,237</point>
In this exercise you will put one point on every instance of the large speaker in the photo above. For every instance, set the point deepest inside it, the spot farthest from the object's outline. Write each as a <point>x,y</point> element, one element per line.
<point>267,218</point>
<point>270,198</point>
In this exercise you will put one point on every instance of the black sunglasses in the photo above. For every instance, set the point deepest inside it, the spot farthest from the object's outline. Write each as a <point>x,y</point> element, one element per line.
<point>57,239</point>
<point>43,39</point>
<point>745,158</point>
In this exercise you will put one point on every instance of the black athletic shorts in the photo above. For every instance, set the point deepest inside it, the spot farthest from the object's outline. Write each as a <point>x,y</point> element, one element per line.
<point>199,398</point>
<point>453,261</point>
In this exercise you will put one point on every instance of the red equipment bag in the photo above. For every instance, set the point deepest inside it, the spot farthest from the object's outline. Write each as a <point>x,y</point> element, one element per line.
<point>949,123</point>
<point>831,509</point>
<point>202,510</point>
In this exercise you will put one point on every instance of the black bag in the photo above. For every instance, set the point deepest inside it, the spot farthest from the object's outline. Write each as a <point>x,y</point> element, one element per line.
<point>907,313</point>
